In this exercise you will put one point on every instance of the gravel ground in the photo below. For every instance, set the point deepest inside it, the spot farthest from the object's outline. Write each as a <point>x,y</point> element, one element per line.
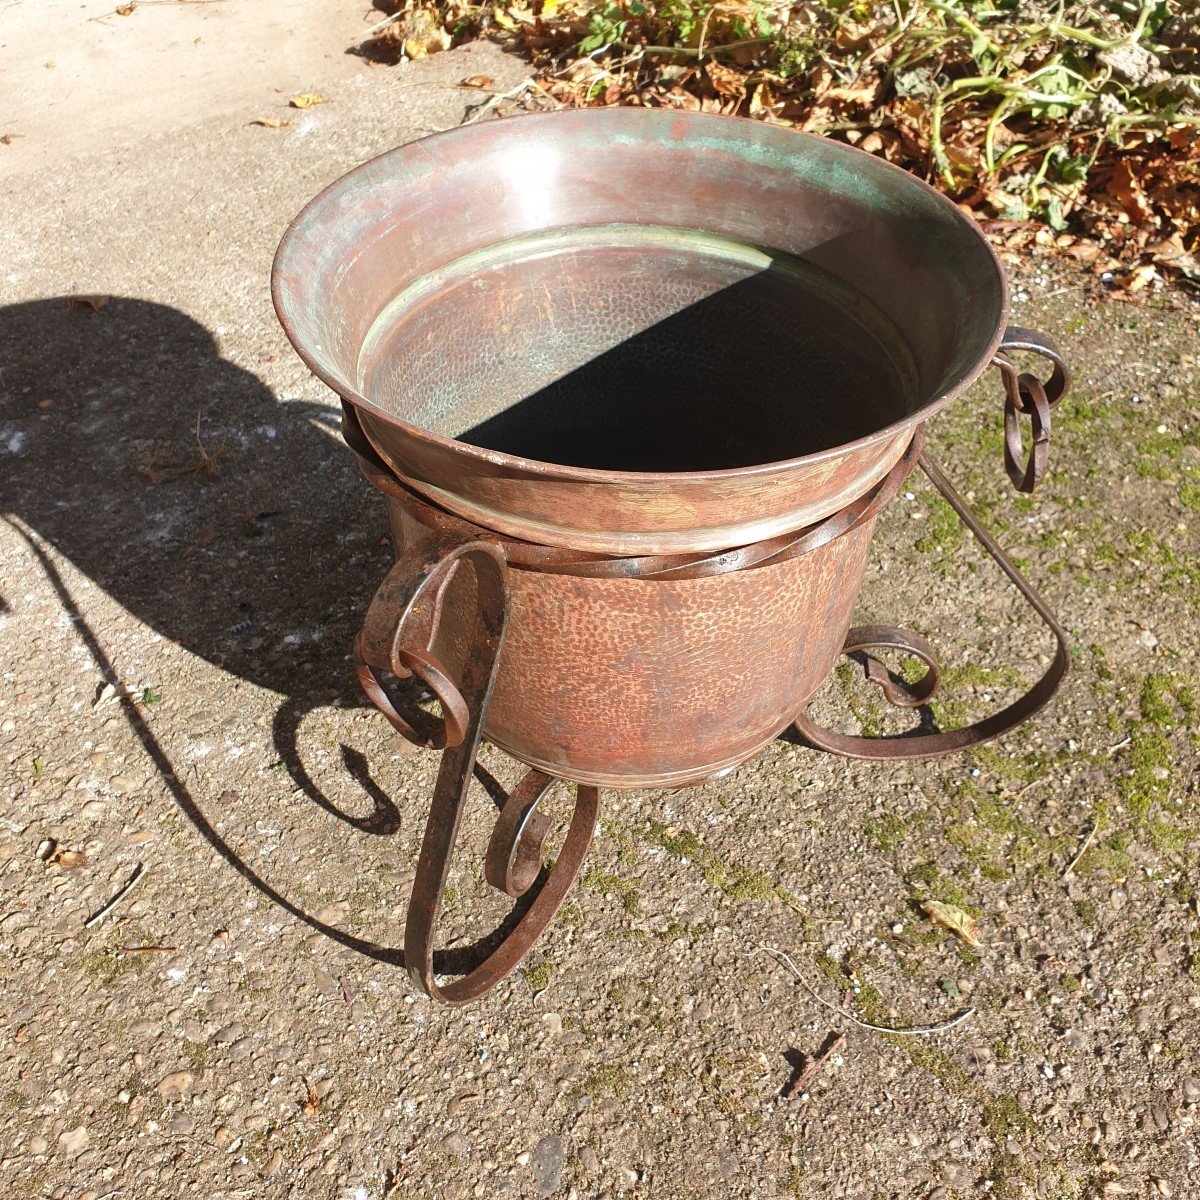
<point>240,1025</point>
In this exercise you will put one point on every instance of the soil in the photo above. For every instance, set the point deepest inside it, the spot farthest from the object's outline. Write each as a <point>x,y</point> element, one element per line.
<point>180,517</point>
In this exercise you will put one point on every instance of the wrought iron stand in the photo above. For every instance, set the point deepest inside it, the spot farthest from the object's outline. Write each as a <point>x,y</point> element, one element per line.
<point>402,622</point>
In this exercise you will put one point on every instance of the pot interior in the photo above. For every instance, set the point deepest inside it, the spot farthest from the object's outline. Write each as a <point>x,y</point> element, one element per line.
<point>638,349</point>
<point>640,290</point>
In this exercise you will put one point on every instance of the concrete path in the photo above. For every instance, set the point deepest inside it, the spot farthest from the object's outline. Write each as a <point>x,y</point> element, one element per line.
<point>241,1026</point>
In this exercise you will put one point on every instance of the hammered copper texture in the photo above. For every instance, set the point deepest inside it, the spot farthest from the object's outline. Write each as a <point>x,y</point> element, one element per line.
<point>383,236</point>
<point>640,683</point>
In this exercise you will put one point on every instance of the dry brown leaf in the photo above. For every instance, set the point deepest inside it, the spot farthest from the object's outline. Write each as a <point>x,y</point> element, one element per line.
<point>111,693</point>
<point>7,139</point>
<point>726,81</point>
<point>860,93</point>
<point>95,303</point>
<point>272,122</point>
<point>312,1105</point>
<point>423,47</point>
<point>307,100</point>
<point>1139,277</point>
<point>52,854</point>
<point>761,100</point>
<point>478,81</point>
<point>125,10</point>
<point>951,917</point>
<point>1124,187</point>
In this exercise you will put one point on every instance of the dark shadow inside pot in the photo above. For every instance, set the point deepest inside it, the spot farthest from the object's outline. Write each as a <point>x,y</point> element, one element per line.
<point>676,353</point>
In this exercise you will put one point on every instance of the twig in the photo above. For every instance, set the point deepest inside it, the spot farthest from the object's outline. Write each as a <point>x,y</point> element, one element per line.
<point>1087,841</point>
<point>815,1062</point>
<point>138,871</point>
<point>381,25</point>
<point>916,1030</point>
<point>1120,745</point>
<point>1021,791</point>
<point>148,949</point>
<point>481,110</point>
<point>691,52</point>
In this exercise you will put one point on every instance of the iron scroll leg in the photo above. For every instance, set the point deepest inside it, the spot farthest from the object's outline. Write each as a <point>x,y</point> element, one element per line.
<point>399,635</point>
<point>880,637</point>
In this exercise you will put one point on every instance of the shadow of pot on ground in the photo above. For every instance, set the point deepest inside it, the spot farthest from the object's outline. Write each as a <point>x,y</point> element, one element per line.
<point>235,526</point>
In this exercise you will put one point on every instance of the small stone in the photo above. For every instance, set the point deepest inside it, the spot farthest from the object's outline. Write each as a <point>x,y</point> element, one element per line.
<point>38,1145</point>
<point>455,1145</point>
<point>121,784</point>
<point>1161,1186</point>
<point>457,1102</point>
<point>1190,1087</point>
<point>74,1142</point>
<point>273,1163</point>
<point>228,1033</point>
<point>523,1158</point>
<point>176,1085</point>
<point>93,809</point>
<point>222,1138</point>
<point>547,1164</point>
<point>331,914</point>
<point>1160,1117</point>
<point>589,1161</point>
<point>326,984</point>
<point>939,1193</point>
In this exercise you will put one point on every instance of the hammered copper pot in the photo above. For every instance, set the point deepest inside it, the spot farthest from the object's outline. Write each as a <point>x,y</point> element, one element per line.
<point>636,384</point>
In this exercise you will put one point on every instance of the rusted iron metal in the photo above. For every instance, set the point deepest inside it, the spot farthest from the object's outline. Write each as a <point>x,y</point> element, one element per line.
<point>883,637</point>
<point>642,589</point>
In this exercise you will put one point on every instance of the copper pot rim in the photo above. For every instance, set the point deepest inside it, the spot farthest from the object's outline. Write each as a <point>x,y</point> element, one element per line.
<point>518,464</point>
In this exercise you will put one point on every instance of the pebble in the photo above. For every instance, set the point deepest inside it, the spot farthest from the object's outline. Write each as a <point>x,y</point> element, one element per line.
<point>455,1145</point>
<point>939,1193</point>
<point>589,1161</point>
<point>228,1033</point>
<point>1191,1090</point>
<point>273,1163</point>
<point>456,1102</point>
<point>326,984</point>
<point>176,1085</point>
<point>331,914</point>
<point>1160,1117</point>
<point>38,1145</point>
<point>121,784</point>
<point>74,1142</point>
<point>547,1164</point>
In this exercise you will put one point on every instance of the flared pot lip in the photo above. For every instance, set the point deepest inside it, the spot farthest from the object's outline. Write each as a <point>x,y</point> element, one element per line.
<point>518,464</point>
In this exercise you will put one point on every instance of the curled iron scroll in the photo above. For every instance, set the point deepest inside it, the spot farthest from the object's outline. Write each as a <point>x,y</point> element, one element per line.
<point>1026,394</point>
